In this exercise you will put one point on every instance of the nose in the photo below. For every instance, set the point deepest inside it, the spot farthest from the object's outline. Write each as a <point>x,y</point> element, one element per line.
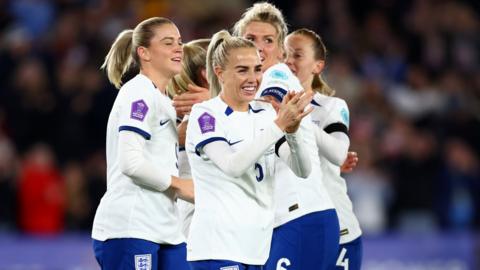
<point>179,47</point>
<point>260,46</point>
<point>289,61</point>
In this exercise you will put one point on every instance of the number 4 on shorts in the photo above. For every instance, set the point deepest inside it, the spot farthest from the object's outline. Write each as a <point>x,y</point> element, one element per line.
<point>342,261</point>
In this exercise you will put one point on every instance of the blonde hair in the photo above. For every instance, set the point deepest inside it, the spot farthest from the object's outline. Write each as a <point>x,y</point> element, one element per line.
<point>263,12</point>
<point>320,53</point>
<point>194,59</point>
<point>217,55</point>
<point>123,53</point>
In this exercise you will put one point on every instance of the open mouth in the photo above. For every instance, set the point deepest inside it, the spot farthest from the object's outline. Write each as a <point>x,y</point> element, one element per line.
<point>177,59</point>
<point>249,89</point>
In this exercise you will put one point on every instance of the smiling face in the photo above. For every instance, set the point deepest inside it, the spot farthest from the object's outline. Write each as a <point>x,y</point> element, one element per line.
<point>240,78</point>
<point>265,37</point>
<point>301,59</point>
<point>164,54</point>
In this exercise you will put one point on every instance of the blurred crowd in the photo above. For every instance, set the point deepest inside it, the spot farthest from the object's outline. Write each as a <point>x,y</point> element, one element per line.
<point>409,71</point>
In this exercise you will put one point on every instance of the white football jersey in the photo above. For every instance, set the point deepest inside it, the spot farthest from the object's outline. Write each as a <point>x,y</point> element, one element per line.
<point>331,114</point>
<point>129,210</point>
<point>233,218</point>
<point>185,209</point>
<point>294,196</point>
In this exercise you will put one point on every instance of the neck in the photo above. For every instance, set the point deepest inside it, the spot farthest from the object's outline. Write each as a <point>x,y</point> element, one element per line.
<point>158,79</point>
<point>234,105</point>
<point>307,86</point>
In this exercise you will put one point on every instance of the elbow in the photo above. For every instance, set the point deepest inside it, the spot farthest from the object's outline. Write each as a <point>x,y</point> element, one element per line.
<point>303,170</point>
<point>338,160</point>
<point>126,168</point>
<point>234,172</point>
<point>338,157</point>
<point>305,173</point>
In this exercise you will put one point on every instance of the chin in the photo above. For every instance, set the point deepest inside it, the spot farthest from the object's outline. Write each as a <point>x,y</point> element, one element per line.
<point>175,70</point>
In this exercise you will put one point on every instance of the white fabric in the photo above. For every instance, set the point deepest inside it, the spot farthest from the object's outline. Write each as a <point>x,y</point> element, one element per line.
<point>335,110</point>
<point>236,163</point>
<point>185,209</point>
<point>233,217</point>
<point>334,147</point>
<point>129,209</point>
<point>281,77</point>
<point>310,195</point>
<point>295,155</point>
<point>133,164</point>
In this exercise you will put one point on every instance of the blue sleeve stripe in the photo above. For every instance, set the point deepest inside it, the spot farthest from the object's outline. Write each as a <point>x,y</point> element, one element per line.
<point>276,92</point>
<point>144,134</point>
<point>201,144</point>
<point>181,148</point>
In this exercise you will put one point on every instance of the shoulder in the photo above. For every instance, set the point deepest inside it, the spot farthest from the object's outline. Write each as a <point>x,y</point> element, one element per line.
<point>279,78</point>
<point>139,87</point>
<point>329,102</point>
<point>339,110</point>
<point>278,71</point>
<point>206,109</point>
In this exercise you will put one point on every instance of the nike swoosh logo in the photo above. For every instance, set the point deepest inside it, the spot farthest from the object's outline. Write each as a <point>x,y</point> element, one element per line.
<point>232,143</point>
<point>164,122</point>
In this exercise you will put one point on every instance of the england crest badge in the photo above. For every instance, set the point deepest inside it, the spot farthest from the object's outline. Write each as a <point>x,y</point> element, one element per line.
<point>143,262</point>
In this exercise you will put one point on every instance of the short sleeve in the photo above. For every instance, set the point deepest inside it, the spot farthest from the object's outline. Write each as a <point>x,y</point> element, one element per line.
<point>339,117</point>
<point>203,128</point>
<point>341,112</point>
<point>277,81</point>
<point>137,113</point>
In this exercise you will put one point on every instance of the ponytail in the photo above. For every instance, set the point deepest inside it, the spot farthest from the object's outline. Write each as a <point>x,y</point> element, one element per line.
<point>123,53</point>
<point>213,60</point>
<point>319,85</point>
<point>118,59</point>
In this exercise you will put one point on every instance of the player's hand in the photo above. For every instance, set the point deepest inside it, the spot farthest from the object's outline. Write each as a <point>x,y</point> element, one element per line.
<point>350,162</point>
<point>183,189</point>
<point>292,110</point>
<point>183,103</point>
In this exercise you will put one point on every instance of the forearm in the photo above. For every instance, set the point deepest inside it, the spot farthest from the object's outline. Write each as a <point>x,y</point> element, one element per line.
<point>334,147</point>
<point>295,154</point>
<point>236,163</point>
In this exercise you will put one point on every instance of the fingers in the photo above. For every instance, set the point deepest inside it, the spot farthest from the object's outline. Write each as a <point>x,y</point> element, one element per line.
<point>185,97</point>
<point>287,98</point>
<point>182,103</point>
<point>182,110</point>
<point>196,88</point>
<point>304,100</point>
<point>304,113</point>
<point>350,163</point>
<point>295,97</point>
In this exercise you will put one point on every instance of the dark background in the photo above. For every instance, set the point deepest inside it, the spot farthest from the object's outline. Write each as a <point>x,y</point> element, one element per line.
<point>409,71</point>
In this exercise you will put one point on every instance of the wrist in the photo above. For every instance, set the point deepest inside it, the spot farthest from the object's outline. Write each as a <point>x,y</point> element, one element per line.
<point>280,125</point>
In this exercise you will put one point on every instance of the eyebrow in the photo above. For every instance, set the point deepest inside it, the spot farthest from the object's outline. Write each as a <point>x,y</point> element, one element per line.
<point>267,36</point>
<point>169,38</point>
<point>246,67</point>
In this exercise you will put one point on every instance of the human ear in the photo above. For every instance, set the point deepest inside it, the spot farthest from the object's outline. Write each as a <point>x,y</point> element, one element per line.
<point>319,65</point>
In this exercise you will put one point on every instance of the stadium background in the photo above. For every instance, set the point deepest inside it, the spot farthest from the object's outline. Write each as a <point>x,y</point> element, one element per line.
<point>409,71</point>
